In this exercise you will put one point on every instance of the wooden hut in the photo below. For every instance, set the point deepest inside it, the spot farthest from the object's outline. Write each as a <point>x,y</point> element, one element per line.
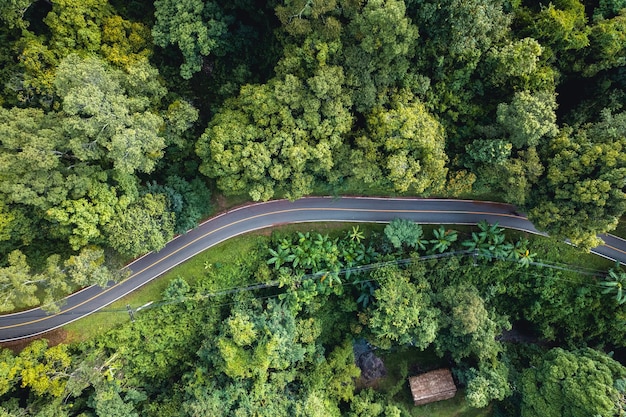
<point>432,386</point>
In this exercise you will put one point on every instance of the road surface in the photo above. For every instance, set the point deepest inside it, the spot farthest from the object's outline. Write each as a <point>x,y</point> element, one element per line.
<point>257,216</point>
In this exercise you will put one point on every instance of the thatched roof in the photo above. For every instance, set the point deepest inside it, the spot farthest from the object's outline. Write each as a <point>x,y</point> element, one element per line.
<point>432,386</point>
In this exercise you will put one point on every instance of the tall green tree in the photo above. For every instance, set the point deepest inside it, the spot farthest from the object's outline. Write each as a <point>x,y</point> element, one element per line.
<point>529,118</point>
<point>144,226</point>
<point>403,147</point>
<point>405,233</point>
<point>581,193</point>
<point>17,284</point>
<point>403,312</point>
<point>379,60</point>
<point>31,164</point>
<point>109,113</point>
<point>195,26</point>
<point>571,384</point>
<point>280,135</point>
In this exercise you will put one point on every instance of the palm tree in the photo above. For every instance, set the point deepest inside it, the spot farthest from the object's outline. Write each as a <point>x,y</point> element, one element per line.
<point>615,284</point>
<point>280,256</point>
<point>490,241</point>
<point>521,253</point>
<point>477,243</point>
<point>356,234</point>
<point>499,248</point>
<point>443,239</point>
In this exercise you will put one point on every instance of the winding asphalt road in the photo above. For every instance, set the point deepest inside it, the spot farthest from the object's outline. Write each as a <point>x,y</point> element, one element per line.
<point>257,216</point>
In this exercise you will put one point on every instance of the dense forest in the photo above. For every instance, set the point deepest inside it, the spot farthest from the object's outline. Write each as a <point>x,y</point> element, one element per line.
<point>119,120</point>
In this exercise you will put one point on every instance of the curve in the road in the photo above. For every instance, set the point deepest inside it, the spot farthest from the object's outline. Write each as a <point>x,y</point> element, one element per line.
<point>261,215</point>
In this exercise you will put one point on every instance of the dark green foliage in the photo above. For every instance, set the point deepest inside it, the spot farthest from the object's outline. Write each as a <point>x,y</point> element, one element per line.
<point>188,200</point>
<point>614,283</point>
<point>489,151</point>
<point>195,26</point>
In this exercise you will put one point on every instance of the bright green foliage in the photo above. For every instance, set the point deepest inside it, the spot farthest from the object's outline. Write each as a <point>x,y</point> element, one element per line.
<point>89,268</point>
<point>529,118</point>
<point>515,177</point>
<point>107,402</point>
<point>83,27</point>
<point>17,285</point>
<point>109,114</point>
<point>42,369</point>
<point>487,384</point>
<point>285,142</point>
<point>30,168</point>
<point>179,118</point>
<point>336,373</point>
<point>403,312</point>
<point>125,43</point>
<point>443,239</point>
<point>144,226</point>
<point>490,241</point>
<point>404,148</point>
<point>494,152</point>
<point>607,46</point>
<point>581,193</point>
<point>518,62</point>
<point>176,290</point>
<point>9,369</point>
<point>76,25</point>
<point>86,216</point>
<point>252,344</point>
<point>194,26</point>
<point>571,384</point>
<point>561,25</point>
<point>369,403</point>
<point>405,233</point>
<point>12,12</point>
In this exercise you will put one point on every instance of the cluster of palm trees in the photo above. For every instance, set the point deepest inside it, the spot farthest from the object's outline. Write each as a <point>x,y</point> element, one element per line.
<point>323,260</point>
<point>309,253</point>
<point>490,242</point>
<point>316,263</point>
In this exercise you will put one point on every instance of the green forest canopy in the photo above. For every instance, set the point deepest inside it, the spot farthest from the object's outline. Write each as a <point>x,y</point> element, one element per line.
<point>118,118</point>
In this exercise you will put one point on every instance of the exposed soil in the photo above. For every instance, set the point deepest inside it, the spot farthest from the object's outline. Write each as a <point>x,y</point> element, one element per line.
<point>54,338</point>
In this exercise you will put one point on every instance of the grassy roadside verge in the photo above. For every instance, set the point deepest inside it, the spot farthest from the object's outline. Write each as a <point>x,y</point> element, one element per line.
<point>228,251</point>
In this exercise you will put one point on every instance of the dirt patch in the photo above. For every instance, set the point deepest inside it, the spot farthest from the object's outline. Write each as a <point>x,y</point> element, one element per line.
<point>54,338</point>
